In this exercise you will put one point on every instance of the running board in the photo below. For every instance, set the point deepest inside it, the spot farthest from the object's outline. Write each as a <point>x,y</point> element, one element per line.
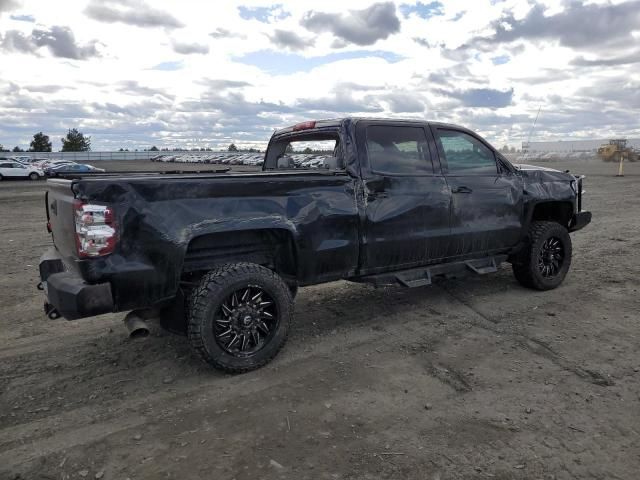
<point>482,266</point>
<point>421,277</point>
<point>412,278</point>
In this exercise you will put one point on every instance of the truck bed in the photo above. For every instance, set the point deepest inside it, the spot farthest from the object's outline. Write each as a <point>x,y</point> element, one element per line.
<point>166,221</point>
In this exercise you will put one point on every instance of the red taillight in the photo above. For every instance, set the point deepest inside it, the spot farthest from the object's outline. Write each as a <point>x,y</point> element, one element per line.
<point>95,229</point>
<point>304,125</point>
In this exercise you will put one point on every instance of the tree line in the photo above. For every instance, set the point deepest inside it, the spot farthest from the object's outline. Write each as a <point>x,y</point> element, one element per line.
<point>74,141</point>
<point>233,148</point>
<point>508,149</point>
<point>289,149</point>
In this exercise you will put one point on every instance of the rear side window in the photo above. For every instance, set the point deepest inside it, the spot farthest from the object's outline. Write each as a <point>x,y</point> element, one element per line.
<point>398,150</point>
<point>306,151</point>
<point>466,155</point>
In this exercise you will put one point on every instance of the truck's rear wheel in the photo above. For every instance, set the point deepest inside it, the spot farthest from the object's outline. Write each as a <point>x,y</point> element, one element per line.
<point>239,316</point>
<point>545,260</point>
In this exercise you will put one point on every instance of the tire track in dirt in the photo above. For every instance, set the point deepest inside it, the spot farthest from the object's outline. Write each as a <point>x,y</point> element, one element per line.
<point>533,345</point>
<point>449,376</point>
<point>44,434</point>
<point>65,439</point>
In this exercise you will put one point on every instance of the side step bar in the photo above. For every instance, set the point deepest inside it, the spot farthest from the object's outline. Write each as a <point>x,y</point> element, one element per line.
<point>420,277</point>
<point>411,280</point>
<point>483,265</point>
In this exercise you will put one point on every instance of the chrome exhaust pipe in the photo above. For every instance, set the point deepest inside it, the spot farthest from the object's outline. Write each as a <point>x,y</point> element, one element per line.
<point>136,326</point>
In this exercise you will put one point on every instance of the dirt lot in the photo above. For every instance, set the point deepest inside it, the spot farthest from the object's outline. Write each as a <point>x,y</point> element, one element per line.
<point>475,378</point>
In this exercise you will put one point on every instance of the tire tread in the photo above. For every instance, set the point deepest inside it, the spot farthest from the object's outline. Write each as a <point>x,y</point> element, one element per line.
<point>214,281</point>
<point>522,266</point>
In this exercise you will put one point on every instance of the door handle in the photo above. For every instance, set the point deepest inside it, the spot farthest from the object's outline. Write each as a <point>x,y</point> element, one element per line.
<point>462,189</point>
<point>376,195</point>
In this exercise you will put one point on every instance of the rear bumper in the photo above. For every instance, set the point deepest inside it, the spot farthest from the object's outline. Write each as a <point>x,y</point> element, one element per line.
<point>68,293</point>
<point>579,221</point>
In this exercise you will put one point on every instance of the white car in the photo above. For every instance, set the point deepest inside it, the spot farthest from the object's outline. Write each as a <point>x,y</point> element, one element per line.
<point>22,159</point>
<point>12,169</point>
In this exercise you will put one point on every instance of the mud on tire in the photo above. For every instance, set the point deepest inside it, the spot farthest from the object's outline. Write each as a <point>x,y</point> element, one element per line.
<point>545,259</point>
<point>239,316</point>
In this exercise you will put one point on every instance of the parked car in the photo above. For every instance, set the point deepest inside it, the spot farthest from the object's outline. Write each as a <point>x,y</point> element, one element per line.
<point>45,163</point>
<point>13,169</point>
<point>21,161</point>
<point>24,159</point>
<point>219,257</point>
<point>66,168</point>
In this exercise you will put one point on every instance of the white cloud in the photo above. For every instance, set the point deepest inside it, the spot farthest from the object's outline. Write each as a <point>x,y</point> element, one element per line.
<point>187,48</point>
<point>133,73</point>
<point>131,12</point>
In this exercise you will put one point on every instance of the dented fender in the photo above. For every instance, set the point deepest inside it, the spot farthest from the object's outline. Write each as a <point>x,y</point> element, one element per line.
<point>545,185</point>
<point>158,219</point>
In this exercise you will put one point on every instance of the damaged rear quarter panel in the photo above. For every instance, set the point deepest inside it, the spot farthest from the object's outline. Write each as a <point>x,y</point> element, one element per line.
<point>158,218</point>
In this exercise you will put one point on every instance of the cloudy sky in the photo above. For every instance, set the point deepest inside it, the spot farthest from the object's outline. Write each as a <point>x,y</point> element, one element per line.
<point>136,73</point>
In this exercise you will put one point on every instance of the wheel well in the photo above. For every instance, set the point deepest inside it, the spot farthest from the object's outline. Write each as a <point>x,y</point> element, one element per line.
<point>272,248</point>
<point>559,212</point>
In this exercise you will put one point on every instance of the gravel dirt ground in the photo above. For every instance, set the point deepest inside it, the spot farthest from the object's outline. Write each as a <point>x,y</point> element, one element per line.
<point>470,378</point>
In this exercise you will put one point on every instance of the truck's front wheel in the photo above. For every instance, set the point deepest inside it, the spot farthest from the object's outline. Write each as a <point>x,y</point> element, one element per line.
<point>239,316</point>
<point>545,260</point>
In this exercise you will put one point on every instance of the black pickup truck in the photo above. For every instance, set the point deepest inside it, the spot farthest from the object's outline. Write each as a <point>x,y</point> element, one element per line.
<point>220,255</point>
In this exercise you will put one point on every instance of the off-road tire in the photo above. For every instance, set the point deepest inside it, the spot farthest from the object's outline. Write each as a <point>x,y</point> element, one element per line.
<point>215,286</point>
<point>34,176</point>
<point>525,265</point>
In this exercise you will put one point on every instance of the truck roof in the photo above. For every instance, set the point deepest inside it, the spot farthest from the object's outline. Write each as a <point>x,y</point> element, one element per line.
<point>336,122</point>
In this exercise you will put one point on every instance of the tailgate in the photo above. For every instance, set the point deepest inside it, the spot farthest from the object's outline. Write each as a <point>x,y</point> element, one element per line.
<point>60,214</point>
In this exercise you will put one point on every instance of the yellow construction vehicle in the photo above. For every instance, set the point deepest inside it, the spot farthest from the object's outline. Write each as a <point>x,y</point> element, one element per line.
<point>617,150</point>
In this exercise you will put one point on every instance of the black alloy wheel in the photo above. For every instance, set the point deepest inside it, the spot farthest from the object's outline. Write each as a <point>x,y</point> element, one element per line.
<point>545,259</point>
<point>245,321</point>
<point>550,257</point>
<point>238,316</point>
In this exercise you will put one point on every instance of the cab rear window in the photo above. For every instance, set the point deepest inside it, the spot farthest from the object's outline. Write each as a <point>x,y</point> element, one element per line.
<point>308,150</point>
